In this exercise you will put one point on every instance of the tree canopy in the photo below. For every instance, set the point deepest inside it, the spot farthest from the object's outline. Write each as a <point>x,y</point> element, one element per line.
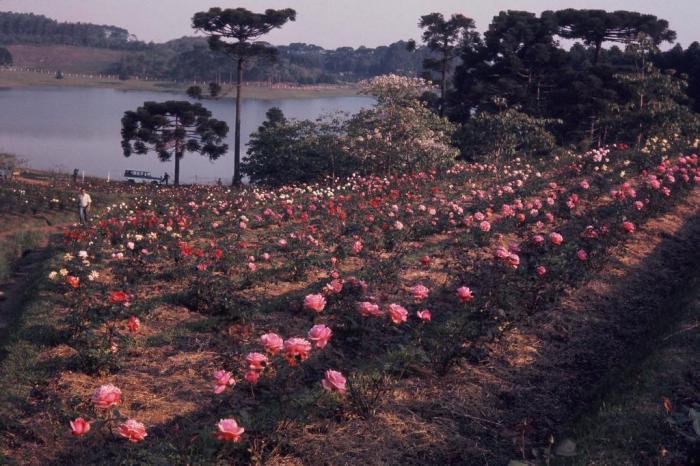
<point>442,37</point>
<point>172,128</point>
<point>234,31</point>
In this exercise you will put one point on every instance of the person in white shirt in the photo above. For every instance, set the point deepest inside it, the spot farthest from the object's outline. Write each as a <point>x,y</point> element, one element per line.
<point>85,202</point>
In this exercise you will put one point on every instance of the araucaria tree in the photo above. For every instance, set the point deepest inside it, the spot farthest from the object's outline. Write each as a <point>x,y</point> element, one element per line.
<point>443,37</point>
<point>234,31</point>
<point>172,128</point>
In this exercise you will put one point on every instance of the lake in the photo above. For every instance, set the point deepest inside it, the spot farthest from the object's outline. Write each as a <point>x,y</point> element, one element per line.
<point>59,129</point>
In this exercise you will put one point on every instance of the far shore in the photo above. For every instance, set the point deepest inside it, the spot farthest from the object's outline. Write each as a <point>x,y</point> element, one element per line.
<point>22,79</point>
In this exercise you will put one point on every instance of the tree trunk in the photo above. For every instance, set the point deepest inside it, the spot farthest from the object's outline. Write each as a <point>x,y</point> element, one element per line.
<point>178,156</point>
<point>598,46</point>
<point>443,86</point>
<point>237,136</point>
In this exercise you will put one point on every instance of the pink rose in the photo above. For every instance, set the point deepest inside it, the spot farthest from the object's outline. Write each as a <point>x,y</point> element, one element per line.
<point>252,376</point>
<point>334,287</point>
<point>228,430</point>
<point>334,382</point>
<point>540,270</point>
<point>367,309</point>
<point>397,313</point>
<point>132,430</point>
<point>420,292</point>
<point>106,396</point>
<point>556,238</point>
<point>357,247</point>
<point>79,427</point>
<point>485,226</point>
<point>296,349</point>
<point>222,379</point>
<point>256,361</point>
<point>582,255</point>
<point>628,227</point>
<point>424,315</point>
<point>272,342</point>
<point>315,302</point>
<point>319,335</point>
<point>464,294</point>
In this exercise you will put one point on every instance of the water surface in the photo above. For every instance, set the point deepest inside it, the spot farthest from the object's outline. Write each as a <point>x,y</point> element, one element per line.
<point>59,129</point>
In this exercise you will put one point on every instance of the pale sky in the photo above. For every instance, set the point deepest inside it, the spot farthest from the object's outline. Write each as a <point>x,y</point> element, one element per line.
<point>335,23</point>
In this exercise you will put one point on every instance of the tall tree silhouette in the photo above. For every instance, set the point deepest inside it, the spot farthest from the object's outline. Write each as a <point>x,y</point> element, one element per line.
<point>443,37</point>
<point>234,31</point>
<point>597,26</point>
<point>172,128</point>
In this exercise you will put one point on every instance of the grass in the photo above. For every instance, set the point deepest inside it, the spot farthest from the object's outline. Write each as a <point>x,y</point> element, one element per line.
<point>23,79</point>
<point>628,425</point>
<point>13,246</point>
<point>19,359</point>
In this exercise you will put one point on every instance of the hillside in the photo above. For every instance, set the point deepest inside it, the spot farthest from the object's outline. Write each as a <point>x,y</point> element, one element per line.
<point>36,41</point>
<point>466,315</point>
<point>67,58</point>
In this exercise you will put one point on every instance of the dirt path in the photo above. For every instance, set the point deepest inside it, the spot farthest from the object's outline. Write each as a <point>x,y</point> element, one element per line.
<point>44,230</point>
<point>14,291</point>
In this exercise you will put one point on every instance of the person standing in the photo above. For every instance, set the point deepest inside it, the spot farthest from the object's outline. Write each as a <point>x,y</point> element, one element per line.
<point>75,176</point>
<point>85,202</point>
<point>166,177</point>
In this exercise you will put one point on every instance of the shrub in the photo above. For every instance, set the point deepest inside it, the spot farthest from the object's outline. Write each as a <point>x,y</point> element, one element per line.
<point>400,133</point>
<point>502,135</point>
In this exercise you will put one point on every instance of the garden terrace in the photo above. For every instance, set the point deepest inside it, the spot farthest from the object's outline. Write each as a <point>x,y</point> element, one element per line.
<point>521,268</point>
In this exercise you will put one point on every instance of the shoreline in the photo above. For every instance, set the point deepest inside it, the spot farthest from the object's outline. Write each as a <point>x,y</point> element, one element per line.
<point>28,79</point>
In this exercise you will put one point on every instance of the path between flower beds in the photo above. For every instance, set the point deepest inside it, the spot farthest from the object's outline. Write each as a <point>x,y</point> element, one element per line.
<point>547,371</point>
<point>13,291</point>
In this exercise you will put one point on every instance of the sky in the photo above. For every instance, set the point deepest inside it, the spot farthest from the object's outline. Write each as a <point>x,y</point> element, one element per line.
<point>335,23</point>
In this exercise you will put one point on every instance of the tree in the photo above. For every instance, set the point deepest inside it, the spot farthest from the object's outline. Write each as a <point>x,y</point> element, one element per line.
<point>518,60</point>
<point>5,57</point>
<point>399,134</point>
<point>597,26</point>
<point>233,32</point>
<point>194,92</point>
<point>442,38</point>
<point>214,89</point>
<point>502,134</point>
<point>284,151</point>
<point>172,128</point>
<point>656,101</point>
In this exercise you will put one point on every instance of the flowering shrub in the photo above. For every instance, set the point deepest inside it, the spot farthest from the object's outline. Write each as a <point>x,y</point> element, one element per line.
<point>400,134</point>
